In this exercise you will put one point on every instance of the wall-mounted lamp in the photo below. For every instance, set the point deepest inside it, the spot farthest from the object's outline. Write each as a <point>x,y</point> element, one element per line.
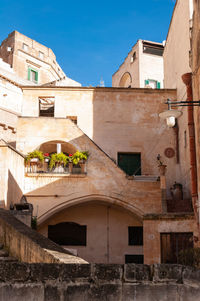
<point>170,115</point>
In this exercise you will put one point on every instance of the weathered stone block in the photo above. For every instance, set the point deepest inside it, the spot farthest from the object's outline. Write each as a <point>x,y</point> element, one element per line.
<point>107,272</point>
<point>167,272</point>
<point>51,293</point>
<point>22,292</point>
<point>191,275</point>
<point>105,292</point>
<point>137,272</point>
<point>72,271</point>
<point>44,271</point>
<point>77,293</point>
<point>14,272</point>
<point>140,292</point>
<point>188,293</point>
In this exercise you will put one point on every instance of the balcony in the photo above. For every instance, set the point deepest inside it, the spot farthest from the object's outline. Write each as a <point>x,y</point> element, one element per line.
<point>42,169</point>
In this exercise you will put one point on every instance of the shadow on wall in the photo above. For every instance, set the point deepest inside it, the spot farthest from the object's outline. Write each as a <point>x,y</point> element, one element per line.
<point>14,192</point>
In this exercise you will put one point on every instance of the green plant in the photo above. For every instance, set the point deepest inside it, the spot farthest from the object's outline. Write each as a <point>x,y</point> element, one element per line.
<point>58,158</point>
<point>34,222</point>
<point>190,257</point>
<point>78,156</point>
<point>35,154</point>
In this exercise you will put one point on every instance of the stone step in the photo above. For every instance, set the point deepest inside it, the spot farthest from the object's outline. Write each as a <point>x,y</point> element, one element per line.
<point>8,259</point>
<point>3,253</point>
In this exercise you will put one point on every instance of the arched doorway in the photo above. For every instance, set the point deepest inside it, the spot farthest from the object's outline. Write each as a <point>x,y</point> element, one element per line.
<point>112,233</point>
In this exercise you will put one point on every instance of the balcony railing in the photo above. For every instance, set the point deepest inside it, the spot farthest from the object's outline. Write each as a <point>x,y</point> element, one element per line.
<point>43,168</point>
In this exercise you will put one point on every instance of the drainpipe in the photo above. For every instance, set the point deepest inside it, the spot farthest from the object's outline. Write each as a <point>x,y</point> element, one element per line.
<point>187,79</point>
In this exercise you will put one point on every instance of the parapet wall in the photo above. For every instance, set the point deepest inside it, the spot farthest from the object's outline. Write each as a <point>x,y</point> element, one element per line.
<point>27,245</point>
<point>85,282</point>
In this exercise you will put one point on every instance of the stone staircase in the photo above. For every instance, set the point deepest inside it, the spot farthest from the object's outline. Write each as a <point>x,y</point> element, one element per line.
<point>4,255</point>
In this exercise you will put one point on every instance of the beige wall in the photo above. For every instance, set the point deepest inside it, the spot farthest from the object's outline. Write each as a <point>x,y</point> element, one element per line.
<point>12,175</point>
<point>117,120</point>
<point>176,63</point>
<point>103,223</point>
<point>104,180</point>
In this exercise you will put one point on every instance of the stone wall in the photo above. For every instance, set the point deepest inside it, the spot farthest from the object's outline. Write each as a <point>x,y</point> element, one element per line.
<point>27,245</point>
<point>59,282</point>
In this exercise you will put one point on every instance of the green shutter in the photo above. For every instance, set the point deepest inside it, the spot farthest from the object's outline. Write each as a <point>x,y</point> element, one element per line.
<point>158,85</point>
<point>146,82</point>
<point>36,76</point>
<point>29,74</point>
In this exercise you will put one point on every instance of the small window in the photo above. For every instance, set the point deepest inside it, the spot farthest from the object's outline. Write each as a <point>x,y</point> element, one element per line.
<point>138,259</point>
<point>73,119</point>
<point>151,83</point>
<point>41,55</point>
<point>133,57</point>
<point>33,75</point>
<point>135,236</point>
<point>68,234</point>
<point>46,106</point>
<point>130,163</point>
<point>25,47</point>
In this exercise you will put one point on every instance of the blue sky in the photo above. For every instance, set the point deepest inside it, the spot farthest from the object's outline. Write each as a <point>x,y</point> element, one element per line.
<point>89,38</point>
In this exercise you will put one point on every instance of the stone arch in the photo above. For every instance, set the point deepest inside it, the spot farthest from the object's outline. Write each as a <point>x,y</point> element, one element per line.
<point>125,80</point>
<point>91,198</point>
<point>51,147</point>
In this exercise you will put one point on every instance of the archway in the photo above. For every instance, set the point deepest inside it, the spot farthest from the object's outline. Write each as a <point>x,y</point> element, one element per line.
<point>108,227</point>
<point>125,80</point>
<point>51,147</point>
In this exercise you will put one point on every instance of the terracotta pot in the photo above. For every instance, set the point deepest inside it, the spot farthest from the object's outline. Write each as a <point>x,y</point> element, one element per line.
<point>70,167</point>
<point>162,169</point>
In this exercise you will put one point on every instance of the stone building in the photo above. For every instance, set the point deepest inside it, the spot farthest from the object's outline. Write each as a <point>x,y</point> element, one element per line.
<point>118,205</point>
<point>143,67</point>
<point>32,61</point>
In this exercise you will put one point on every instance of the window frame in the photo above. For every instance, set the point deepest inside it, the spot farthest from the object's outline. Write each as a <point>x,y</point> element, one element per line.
<point>30,69</point>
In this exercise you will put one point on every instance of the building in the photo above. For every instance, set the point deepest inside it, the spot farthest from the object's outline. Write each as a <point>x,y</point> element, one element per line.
<point>118,205</point>
<point>143,67</point>
<point>32,61</point>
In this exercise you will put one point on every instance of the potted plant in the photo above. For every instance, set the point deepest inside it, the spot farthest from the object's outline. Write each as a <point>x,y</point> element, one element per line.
<point>46,157</point>
<point>70,163</point>
<point>58,160</point>
<point>80,158</point>
<point>35,156</point>
<point>162,167</point>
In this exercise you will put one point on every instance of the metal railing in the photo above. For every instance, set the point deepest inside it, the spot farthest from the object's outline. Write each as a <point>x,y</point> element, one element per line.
<point>43,168</point>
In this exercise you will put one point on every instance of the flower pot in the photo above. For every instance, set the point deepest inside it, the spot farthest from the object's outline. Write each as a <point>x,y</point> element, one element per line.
<point>82,165</point>
<point>46,160</point>
<point>70,167</point>
<point>162,169</point>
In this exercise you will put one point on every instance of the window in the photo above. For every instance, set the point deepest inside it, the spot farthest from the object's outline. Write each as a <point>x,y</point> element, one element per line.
<point>41,55</point>
<point>133,57</point>
<point>33,75</point>
<point>153,49</point>
<point>151,83</point>
<point>130,163</point>
<point>68,234</point>
<point>46,106</point>
<point>172,244</point>
<point>73,119</point>
<point>25,47</point>
<point>138,259</point>
<point>135,236</point>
